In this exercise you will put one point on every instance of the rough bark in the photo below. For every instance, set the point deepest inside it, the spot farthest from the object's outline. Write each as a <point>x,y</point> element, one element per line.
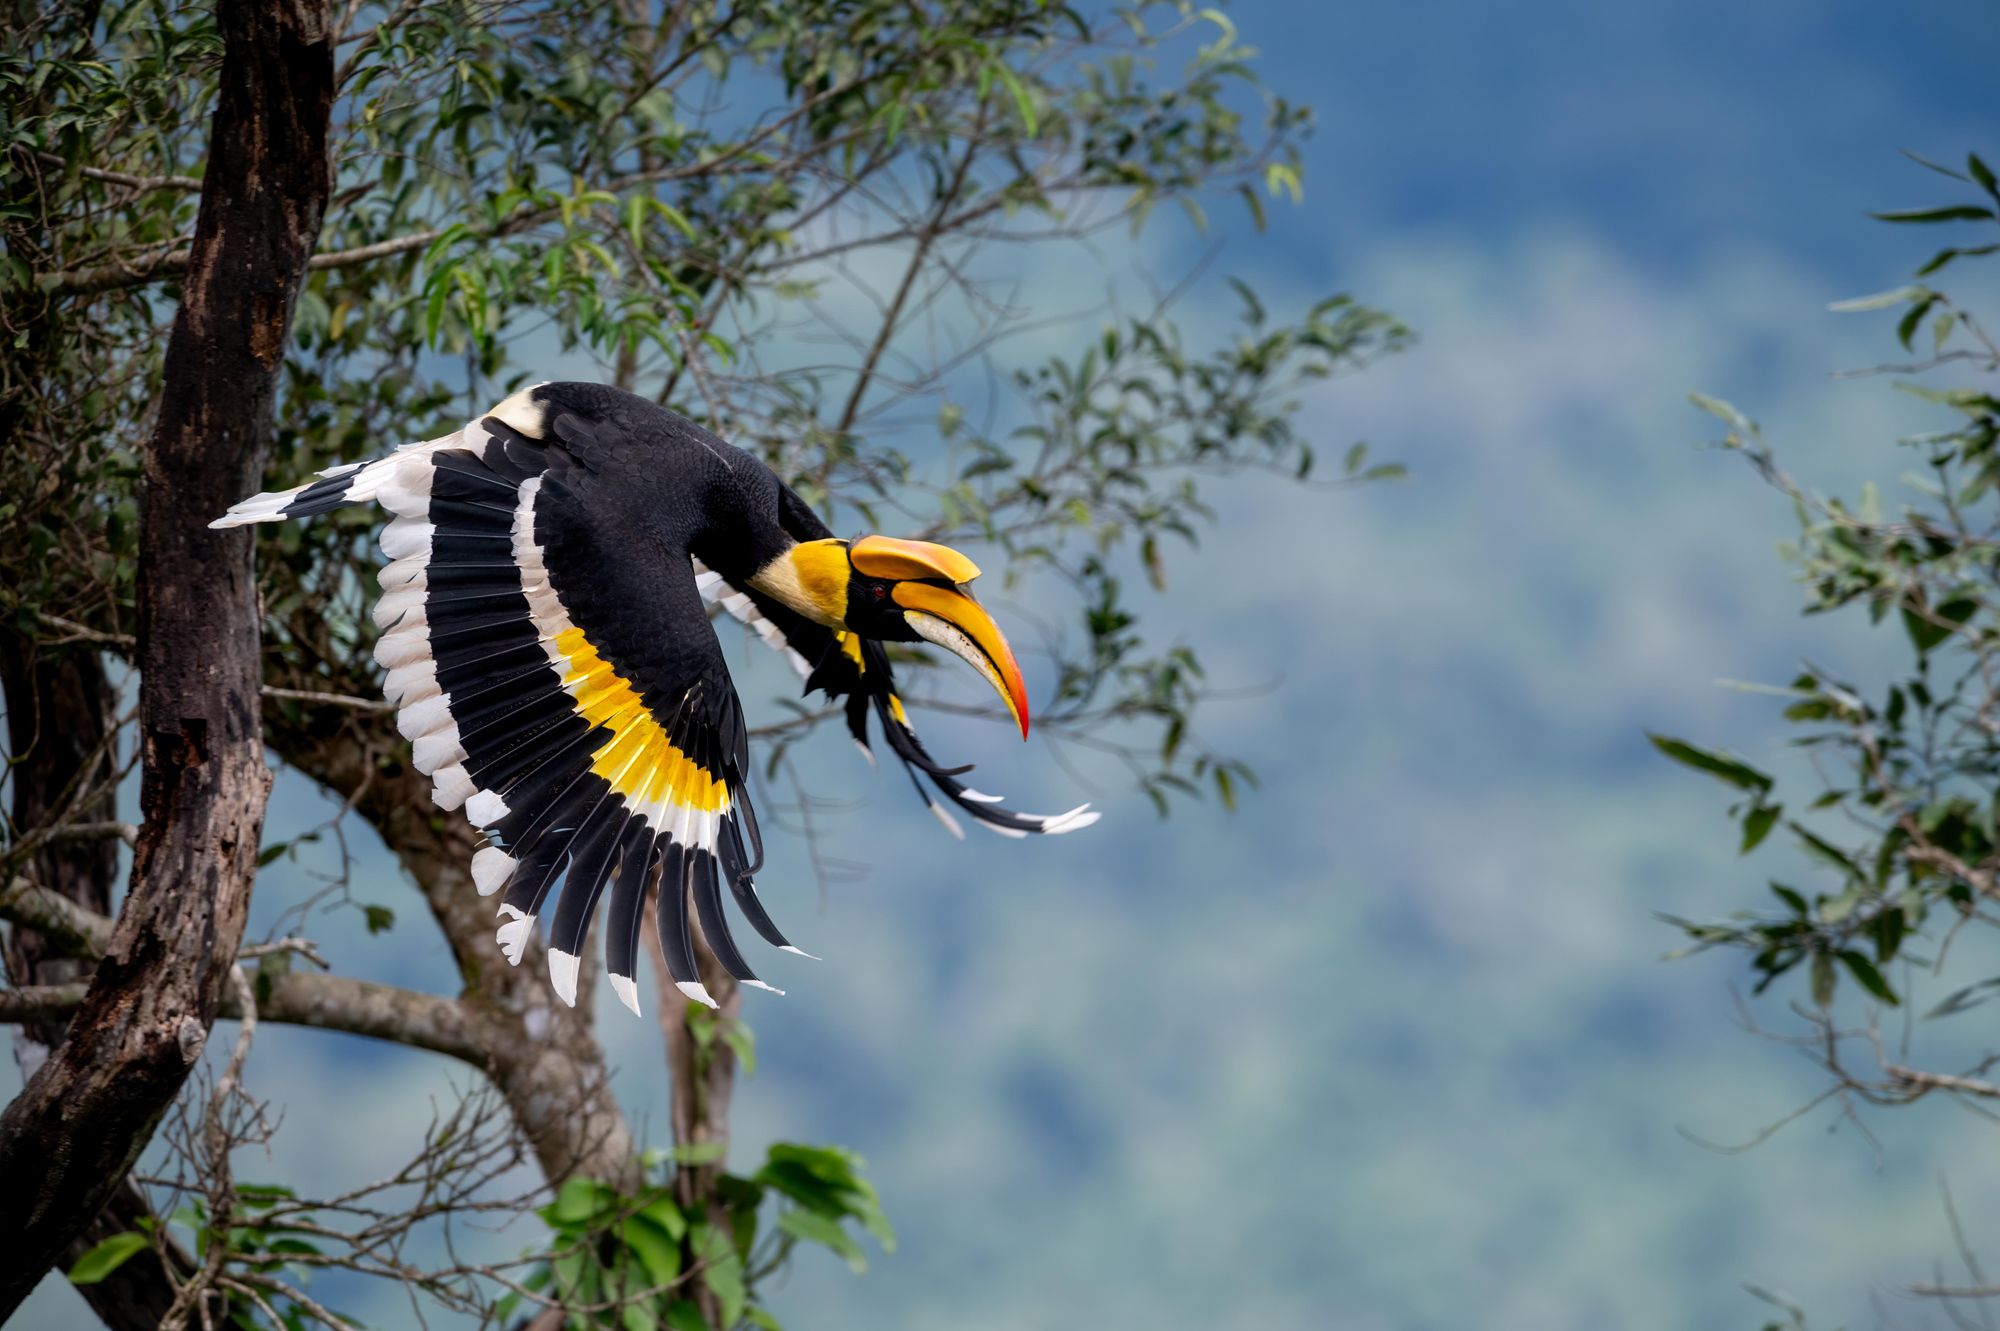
<point>61,719</point>
<point>59,731</point>
<point>542,1056</point>
<point>67,1141</point>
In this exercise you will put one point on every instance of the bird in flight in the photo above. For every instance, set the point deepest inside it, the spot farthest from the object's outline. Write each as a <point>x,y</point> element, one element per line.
<point>547,646</point>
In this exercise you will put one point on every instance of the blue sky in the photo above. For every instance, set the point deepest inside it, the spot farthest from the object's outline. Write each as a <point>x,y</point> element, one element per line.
<point>1393,1046</point>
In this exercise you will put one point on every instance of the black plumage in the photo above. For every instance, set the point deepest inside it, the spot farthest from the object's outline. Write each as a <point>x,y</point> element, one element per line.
<point>547,644</point>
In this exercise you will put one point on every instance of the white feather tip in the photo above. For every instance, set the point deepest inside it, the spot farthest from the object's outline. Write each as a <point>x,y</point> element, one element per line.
<point>628,993</point>
<point>950,823</point>
<point>513,935</point>
<point>699,993</point>
<point>491,868</point>
<point>562,975</point>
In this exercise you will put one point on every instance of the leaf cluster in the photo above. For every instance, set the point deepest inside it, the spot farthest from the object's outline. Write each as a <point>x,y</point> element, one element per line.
<point>631,1261</point>
<point>1904,824</point>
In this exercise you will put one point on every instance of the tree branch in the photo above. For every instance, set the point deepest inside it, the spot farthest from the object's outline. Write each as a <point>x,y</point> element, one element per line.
<point>324,1002</point>
<point>70,927</point>
<point>68,1139</point>
<point>168,263</point>
<point>186,184</point>
<point>865,375</point>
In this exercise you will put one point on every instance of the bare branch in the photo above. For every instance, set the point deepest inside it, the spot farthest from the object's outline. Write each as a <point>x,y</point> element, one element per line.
<point>71,928</point>
<point>187,184</point>
<point>126,832</point>
<point>325,1002</point>
<point>1919,1082</point>
<point>329,699</point>
<point>80,633</point>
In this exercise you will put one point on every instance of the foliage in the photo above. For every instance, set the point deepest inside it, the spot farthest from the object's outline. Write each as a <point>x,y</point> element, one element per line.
<point>1900,820</point>
<point>806,224</point>
<point>507,204</point>
<point>1914,771</point>
<point>617,1260</point>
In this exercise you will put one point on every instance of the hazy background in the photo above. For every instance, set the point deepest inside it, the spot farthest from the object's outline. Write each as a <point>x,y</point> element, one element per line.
<point>1392,1046</point>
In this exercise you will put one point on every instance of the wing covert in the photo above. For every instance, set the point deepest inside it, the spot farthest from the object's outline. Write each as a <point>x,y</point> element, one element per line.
<point>627,757</point>
<point>551,662</point>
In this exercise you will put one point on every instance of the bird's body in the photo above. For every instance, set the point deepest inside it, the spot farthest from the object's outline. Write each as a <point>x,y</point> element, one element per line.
<point>546,638</point>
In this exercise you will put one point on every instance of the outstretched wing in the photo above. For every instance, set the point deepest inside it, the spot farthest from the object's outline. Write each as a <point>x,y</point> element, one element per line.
<point>559,680</point>
<point>846,665</point>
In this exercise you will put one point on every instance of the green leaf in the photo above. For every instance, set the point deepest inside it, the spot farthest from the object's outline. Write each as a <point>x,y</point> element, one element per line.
<point>1881,300</point>
<point>262,1196</point>
<point>635,220</point>
<point>674,216</point>
<point>662,1211</point>
<point>1280,177</point>
<point>1983,174</point>
<point>658,1252</point>
<point>1963,212</point>
<point>1721,766</point>
<point>107,1257</point>
<point>1865,972</point>
<point>579,1200</point>
<point>1825,850</point>
<point>434,311</point>
<point>1757,825</point>
<point>1945,256</point>
<point>1889,927</point>
<point>380,919</point>
<point>1023,104</point>
<point>1971,996</point>
<point>1941,329</point>
<point>1722,410</point>
<point>1906,327</point>
<point>824,1230</point>
<point>685,1315</point>
<point>1929,630</point>
<point>723,1273</point>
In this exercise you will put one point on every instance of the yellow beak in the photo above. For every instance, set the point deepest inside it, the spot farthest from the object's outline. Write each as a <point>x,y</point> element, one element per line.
<point>957,623</point>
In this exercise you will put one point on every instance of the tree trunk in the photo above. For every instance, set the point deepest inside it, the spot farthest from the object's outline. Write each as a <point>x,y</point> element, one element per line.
<point>61,718</point>
<point>67,1141</point>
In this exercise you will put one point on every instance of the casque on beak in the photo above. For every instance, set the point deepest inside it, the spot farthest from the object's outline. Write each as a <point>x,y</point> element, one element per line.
<point>947,616</point>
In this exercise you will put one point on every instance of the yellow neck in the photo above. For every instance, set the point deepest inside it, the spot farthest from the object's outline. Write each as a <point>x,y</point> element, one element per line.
<point>810,578</point>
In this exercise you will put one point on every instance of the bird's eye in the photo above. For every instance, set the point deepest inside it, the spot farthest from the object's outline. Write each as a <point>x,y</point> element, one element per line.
<point>879,591</point>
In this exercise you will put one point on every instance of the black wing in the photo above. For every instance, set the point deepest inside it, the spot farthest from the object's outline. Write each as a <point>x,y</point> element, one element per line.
<point>845,665</point>
<point>559,679</point>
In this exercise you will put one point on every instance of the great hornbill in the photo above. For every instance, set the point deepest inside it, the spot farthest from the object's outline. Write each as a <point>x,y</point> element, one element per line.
<point>545,633</point>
